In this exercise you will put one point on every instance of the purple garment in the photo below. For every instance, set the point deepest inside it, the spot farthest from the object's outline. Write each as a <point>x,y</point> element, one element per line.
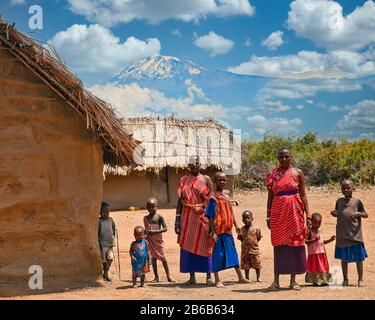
<point>190,262</point>
<point>289,260</point>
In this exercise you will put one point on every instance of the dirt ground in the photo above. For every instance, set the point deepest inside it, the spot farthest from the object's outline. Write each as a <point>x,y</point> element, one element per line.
<point>320,201</point>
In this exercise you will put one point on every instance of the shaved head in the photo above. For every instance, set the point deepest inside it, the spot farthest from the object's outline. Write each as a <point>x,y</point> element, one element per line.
<point>285,157</point>
<point>316,216</point>
<point>152,200</point>
<point>219,174</point>
<point>194,160</point>
<point>139,229</point>
<point>348,182</point>
<point>284,150</point>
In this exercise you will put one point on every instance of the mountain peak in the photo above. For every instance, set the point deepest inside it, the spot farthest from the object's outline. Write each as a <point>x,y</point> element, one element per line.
<point>159,67</point>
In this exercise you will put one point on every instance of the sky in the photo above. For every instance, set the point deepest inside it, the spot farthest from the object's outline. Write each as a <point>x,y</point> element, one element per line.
<point>311,62</point>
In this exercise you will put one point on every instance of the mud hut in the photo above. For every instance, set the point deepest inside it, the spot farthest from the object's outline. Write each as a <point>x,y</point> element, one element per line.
<point>54,139</point>
<point>168,143</point>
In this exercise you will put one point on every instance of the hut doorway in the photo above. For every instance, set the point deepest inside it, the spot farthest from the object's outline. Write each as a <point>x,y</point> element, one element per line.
<point>159,186</point>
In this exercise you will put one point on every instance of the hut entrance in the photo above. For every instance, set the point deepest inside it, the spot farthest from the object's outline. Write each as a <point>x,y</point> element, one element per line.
<point>159,186</point>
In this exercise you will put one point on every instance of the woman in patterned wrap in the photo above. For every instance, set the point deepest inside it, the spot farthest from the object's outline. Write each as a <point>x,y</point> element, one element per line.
<point>286,205</point>
<point>191,225</point>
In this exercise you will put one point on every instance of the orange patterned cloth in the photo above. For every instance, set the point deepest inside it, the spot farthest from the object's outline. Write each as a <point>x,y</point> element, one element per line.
<point>223,218</point>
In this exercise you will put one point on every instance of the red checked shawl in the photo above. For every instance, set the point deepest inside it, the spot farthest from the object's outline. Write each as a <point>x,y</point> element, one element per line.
<point>194,236</point>
<point>287,211</point>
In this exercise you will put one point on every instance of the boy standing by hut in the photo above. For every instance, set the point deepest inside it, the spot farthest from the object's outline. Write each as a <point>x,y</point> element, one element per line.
<point>220,213</point>
<point>154,228</point>
<point>106,235</point>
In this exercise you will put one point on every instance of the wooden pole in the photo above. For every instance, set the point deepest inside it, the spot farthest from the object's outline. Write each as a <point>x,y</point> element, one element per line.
<point>118,256</point>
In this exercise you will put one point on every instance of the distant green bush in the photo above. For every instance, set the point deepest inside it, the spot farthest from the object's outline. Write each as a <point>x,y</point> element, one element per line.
<point>323,162</point>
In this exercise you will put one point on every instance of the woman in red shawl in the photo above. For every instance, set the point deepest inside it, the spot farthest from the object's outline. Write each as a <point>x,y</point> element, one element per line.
<point>286,205</point>
<point>191,225</point>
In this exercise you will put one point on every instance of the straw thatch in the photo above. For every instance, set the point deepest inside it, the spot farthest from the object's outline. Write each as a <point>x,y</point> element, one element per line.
<point>169,142</point>
<point>119,147</point>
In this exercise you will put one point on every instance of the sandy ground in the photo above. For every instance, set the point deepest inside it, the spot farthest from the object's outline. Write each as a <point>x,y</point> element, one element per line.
<point>320,201</point>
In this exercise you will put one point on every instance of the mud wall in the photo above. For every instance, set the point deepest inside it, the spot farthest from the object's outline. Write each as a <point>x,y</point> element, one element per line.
<point>50,186</point>
<point>124,191</point>
<point>133,190</point>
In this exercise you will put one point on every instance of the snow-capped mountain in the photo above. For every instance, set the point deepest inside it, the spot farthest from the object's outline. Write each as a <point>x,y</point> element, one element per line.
<point>170,75</point>
<point>160,67</point>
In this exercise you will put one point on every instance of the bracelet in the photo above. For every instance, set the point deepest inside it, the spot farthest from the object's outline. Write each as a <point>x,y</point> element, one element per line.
<point>268,219</point>
<point>177,223</point>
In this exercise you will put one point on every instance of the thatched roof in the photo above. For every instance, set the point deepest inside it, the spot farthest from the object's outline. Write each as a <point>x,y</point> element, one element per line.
<point>100,118</point>
<point>170,142</point>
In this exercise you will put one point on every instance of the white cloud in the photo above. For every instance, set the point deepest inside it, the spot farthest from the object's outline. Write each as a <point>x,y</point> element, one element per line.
<point>247,43</point>
<point>112,12</point>
<point>300,107</point>
<point>94,49</point>
<point>177,33</point>
<point>276,106</point>
<point>274,40</point>
<point>322,22</point>
<point>359,121</point>
<point>310,64</point>
<point>134,100</point>
<point>279,126</point>
<point>298,89</point>
<point>214,43</point>
<point>17,2</point>
<point>334,109</point>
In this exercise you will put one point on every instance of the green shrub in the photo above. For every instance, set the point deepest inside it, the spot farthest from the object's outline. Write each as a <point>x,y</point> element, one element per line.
<point>323,162</point>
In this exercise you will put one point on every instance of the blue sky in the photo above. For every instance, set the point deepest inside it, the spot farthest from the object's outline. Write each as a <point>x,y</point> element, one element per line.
<point>311,63</point>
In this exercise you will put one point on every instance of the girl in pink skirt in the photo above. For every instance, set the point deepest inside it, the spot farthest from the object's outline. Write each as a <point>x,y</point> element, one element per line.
<point>317,262</point>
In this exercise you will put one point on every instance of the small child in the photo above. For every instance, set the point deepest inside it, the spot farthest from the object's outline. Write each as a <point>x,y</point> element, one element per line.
<point>317,262</point>
<point>139,256</point>
<point>249,237</point>
<point>350,246</point>
<point>106,235</point>
<point>154,228</point>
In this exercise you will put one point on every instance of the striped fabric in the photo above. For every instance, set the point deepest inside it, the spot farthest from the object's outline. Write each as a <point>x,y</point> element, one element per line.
<point>287,211</point>
<point>194,236</point>
<point>222,213</point>
<point>155,242</point>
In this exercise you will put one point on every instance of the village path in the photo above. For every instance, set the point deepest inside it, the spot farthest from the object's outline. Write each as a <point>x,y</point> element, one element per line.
<point>320,200</point>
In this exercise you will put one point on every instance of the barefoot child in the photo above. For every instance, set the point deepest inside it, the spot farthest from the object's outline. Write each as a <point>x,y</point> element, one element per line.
<point>220,213</point>
<point>350,246</point>
<point>139,256</point>
<point>317,262</point>
<point>249,237</point>
<point>154,228</point>
<point>106,235</point>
